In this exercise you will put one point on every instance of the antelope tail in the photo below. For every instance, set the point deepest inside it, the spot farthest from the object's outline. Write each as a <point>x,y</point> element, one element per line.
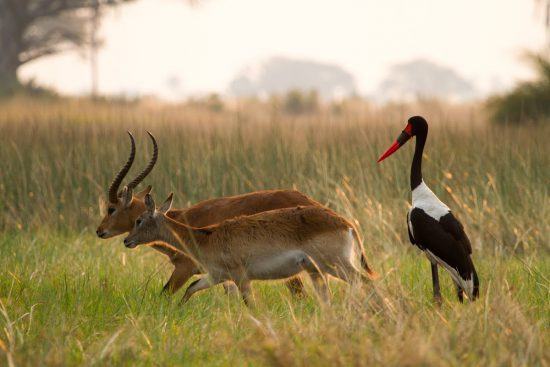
<point>364,264</point>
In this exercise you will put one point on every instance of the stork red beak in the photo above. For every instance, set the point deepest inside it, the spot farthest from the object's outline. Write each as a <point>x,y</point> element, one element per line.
<point>390,151</point>
<point>401,140</point>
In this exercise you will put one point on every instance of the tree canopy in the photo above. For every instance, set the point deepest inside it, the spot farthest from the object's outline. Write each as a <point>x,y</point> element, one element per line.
<point>31,29</point>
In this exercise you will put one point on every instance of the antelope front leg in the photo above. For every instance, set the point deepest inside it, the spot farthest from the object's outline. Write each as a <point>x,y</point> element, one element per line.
<point>179,277</point>
<point>198,285</point>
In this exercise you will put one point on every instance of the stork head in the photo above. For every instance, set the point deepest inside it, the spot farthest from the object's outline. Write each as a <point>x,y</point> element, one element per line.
<point>416,125</point>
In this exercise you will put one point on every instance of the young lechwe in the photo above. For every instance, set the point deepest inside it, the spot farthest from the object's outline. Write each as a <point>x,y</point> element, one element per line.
<point>125,206</point>
<point>276,244</point>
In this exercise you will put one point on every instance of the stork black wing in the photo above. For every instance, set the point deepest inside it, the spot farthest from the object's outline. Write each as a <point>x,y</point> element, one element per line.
<point>411,237</point>
<point>455,228</point>
<point>431,235</point>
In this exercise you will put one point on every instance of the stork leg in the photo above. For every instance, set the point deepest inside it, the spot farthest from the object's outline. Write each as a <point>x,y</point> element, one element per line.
<point>435,282</point>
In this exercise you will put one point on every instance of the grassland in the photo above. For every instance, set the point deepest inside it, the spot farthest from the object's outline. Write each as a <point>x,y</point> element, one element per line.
<point>67,298</point>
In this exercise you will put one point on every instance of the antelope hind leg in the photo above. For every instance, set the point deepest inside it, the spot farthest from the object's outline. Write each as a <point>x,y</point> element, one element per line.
<point>296,287</point>
<point>230,288</point>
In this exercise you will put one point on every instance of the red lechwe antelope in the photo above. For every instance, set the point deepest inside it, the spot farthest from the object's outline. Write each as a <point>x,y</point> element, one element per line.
<point>275,244</point>
<point>124,208</point>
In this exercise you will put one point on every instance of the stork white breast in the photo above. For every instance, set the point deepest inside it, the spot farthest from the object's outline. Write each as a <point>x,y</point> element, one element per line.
<point>425,199</point>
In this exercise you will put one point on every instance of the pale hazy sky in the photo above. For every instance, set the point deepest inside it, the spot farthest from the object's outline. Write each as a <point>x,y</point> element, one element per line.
<point>200,49</point>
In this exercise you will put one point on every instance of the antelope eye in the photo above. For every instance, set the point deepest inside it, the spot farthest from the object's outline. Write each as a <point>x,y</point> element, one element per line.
<point>138,222</point>
<point>111,210</point>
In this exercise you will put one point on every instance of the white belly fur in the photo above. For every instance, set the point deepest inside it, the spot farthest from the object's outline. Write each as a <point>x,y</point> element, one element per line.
<point>327,249</point>
<point>282,265</point>
<point>423,198</point>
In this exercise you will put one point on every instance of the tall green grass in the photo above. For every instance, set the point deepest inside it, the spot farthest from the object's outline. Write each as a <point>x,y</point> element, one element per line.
<point>68,298</point>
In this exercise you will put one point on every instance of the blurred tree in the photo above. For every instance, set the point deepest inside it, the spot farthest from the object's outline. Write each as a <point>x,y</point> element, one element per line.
<point>528,101</point>
<point>31,29</point>
<point>421,78</point>
<point>544,7</point>
<point>299,102</point>
<point>279,75</point>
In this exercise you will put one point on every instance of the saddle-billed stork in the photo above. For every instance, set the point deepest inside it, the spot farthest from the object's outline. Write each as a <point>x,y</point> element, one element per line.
<point>432,226</point>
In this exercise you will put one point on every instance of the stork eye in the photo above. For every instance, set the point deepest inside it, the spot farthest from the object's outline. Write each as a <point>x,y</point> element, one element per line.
<point>111,210</point>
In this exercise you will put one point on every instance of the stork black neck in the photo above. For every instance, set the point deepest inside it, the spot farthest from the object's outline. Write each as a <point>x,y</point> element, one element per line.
<point>416,167</point>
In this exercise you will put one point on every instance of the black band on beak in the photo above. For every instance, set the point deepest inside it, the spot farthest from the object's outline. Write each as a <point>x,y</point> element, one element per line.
<point>403,137</point>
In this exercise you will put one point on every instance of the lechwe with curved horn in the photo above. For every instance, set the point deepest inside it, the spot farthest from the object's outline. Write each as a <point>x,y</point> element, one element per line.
<point>275,244</point>
<point>124,208</point>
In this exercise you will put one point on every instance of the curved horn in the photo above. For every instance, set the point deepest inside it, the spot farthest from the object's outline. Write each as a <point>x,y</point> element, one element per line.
<point>149,167</point>
<point>113,189</point>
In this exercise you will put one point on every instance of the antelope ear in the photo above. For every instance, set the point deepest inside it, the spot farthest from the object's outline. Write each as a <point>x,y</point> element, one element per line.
<point>145,191</point>
<point>126,195</point>
<point>149,203</point>
<point>165,207</point>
